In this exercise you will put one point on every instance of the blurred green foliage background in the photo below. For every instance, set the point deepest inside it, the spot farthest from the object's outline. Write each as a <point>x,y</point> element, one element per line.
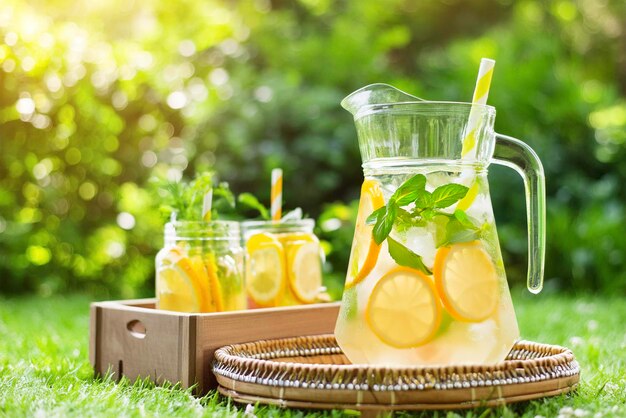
<point>97,98</point>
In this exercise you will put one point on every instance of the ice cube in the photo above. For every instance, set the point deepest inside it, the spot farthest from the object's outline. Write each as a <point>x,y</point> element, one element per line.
<point>421,242</point>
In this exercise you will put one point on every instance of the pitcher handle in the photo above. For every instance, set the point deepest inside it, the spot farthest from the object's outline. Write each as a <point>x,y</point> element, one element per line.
<point>517,155</point>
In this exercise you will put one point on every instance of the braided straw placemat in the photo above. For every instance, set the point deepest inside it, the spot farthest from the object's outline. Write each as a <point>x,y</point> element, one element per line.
<point>312,372</point>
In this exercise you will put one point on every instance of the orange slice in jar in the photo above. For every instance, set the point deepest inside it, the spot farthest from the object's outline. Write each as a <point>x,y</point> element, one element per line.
<point>467,281</point>
<point>265,272</point>
<point>181,286</point>
<point>403,309</point>
<point>364,249</point>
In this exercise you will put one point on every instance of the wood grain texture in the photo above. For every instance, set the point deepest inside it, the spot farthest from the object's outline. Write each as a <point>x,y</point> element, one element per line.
<point>178,347</point>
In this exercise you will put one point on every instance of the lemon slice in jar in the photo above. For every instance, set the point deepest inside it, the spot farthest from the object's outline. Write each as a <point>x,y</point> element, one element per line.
<point>403,309</point>
<point>364,249</point>
<point>204,265</point>
<point>467,281</point>
<point>304,268</point>
<point>265,277</point>
<point>181,286</point>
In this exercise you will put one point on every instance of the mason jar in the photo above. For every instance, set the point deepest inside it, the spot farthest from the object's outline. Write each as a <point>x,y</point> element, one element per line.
<point>201,267</point>
<point>283,263</point>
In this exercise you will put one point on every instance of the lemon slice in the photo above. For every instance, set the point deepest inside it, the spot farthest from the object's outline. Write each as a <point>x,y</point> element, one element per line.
<point>265,276</point>
<point>467,281</point>
<point>181,287</point>
<point>469,198</point>
<point>302,253</point>
<point>403,308</point>
<point>305,271</point>
<point>204,265</point>
<point>364,249</point>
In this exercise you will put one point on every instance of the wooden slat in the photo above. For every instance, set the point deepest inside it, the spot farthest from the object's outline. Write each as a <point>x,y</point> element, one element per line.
<point>178,347</point>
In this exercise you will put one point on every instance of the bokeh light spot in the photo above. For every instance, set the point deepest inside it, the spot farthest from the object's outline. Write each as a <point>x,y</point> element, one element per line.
<point>42,169</point>
<point>115,249</point>
<point>187,48</point>
<point>149,159</point>
<point>28,63</point>
<point>264,94</point>
<point>25,106</point>
<point>10,38</point>
<point>111,144</point>
<point>147,122</point>
<point>177,100</point>
<point>38,255</point>
<point>8,65</point>
<point>87,190</point>
<point>218,77</point>
<point>73,156</point>
<point>125,220</point>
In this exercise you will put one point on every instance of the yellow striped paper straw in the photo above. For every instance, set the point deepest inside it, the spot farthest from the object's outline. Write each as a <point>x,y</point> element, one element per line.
<point>276,197</point>
<point>207,202</point>
<point>481,92</point>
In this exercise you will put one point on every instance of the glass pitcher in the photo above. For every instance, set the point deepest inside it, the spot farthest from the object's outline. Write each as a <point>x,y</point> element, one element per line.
<point>426,284</point>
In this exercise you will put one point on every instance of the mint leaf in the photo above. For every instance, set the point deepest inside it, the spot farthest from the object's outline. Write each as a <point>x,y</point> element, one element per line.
<point>371,220</point>
<point>405,257</point>
<point>405,218</point>
<point>441,222</point>
<point>465,220</point>
<point>409,190</point>
<point>384,223</point>
<point>250,200</point>
<point>456,232</point>
<point>464,235</point>
<point>448,194</point>
<point>429,213</point>
<point>424,200</point>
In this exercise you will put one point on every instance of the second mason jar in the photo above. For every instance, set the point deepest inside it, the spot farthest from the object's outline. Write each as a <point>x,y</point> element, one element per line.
<point>283,263</point>
<point>201,267</point>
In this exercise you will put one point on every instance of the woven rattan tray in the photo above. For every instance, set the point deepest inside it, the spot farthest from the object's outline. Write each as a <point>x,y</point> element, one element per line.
<point>312,372</point>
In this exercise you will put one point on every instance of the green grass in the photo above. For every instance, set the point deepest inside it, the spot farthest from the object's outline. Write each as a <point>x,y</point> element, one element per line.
<point>44,367</point>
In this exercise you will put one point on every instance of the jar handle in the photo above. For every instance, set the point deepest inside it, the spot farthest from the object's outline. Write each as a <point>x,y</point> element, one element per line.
<point>517,155</point>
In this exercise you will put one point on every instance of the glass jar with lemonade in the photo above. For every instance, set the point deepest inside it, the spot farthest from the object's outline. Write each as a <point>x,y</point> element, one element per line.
<point>283,263</point>
<point>201,267</point>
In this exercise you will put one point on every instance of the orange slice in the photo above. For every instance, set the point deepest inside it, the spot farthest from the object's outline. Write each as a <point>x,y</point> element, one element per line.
<point>467,281</point>
<point>364,249</point>
<point>265,272</point>
<point>181,287</point>
<point>403,309</point>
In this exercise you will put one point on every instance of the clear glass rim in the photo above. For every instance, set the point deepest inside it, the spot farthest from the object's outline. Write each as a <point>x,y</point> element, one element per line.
<point>425,106</point>
<point>278,226</point>
<point>407,162</point>
<point>202,230</point>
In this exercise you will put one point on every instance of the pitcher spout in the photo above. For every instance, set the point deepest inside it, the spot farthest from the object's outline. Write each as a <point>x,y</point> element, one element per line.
<point>375,94</point>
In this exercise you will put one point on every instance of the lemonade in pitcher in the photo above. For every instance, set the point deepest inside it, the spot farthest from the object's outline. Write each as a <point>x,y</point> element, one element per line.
<point>426,283</point>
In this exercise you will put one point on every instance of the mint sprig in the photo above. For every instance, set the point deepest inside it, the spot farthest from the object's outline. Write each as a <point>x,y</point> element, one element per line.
<point>413,206</point>
<point>403,256</point>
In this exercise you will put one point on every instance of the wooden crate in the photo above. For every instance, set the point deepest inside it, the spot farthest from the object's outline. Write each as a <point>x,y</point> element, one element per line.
<point>131,338</point>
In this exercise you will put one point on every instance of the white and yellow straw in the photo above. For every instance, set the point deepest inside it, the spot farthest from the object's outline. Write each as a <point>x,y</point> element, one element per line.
<point>276,196</point>
<point>207,202</point>
<point>481,92</point>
